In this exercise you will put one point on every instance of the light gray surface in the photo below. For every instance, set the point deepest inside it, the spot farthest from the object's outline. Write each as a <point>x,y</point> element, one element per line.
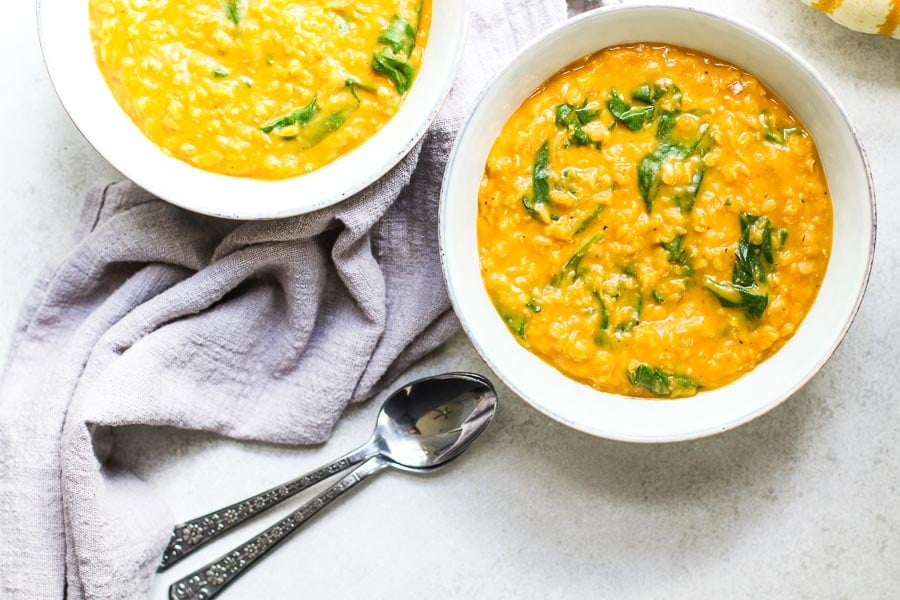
<point>802,503</point>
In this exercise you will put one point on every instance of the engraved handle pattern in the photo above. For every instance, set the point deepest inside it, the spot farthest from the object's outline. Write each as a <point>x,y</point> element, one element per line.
<point>208,581</point>
<point>193,534</point>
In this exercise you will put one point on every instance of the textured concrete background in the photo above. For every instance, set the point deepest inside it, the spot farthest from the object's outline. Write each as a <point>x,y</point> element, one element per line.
<point>802,503</point>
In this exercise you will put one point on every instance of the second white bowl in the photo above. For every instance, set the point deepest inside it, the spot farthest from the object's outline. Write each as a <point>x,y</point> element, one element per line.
<point>635,419</point>
<point>69,55</point>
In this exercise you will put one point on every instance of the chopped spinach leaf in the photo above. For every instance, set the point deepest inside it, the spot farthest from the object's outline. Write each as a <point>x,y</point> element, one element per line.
<point>515,323</point>
<point>770,133</point>
<point>220,72</point>
<point>399,36</point>
<point>731,295</point>
<point>657,297</point>
<point>590,219</point>
<point>660,383</point>
<point>666,125</point>
<point>685,199</point>
<point>677,254</point>
<point>533,306</point>
<point>538,202</point>
<point>650,94</point>
<point>649,180</point>
<point>755,256</point>
<point>633,118</point>
<point>298,117</point>
<point>233,11</point>
<point>600,336</point>
<point>399,39</point>
<point>574,118</point>
<point>665,89</point>
<point>635,300</point>
<point>318,129</point>
<point>309,125</point>
<point>395,67</point>
<point>753,262</point>
<point>353,84</point>
<point>572,265</point>
<point>644,94</point>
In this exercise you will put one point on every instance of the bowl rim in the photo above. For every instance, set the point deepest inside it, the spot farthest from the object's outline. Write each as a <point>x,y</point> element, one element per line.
<point>388,160</point>
<point>776,399</point>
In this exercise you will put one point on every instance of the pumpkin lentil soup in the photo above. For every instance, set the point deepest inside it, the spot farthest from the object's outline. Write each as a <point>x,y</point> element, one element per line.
<point>653,221</point>
<point>264,88</point>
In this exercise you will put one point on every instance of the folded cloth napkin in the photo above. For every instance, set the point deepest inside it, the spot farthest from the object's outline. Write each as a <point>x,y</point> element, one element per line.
<point>257,331</point>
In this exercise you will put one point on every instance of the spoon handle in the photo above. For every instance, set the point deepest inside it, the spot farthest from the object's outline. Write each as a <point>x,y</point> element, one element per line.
<point>210,580</point>
<point>188,536</point>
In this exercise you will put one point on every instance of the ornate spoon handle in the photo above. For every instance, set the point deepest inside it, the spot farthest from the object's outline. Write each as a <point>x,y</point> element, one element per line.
<point>187,537</point>
<point>207,582</point>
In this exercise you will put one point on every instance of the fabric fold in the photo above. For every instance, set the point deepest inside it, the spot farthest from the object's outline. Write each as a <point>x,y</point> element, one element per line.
<point>257,331</point>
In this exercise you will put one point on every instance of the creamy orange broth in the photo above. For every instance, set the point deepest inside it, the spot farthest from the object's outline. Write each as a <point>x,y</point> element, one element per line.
<point>596,284</point>
<point>204,78</point>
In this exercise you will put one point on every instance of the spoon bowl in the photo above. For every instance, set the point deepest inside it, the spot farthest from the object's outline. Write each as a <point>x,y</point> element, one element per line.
<point>429,422</point>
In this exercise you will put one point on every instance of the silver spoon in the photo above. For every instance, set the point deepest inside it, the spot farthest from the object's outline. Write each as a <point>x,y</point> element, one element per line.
<point>420,427</point>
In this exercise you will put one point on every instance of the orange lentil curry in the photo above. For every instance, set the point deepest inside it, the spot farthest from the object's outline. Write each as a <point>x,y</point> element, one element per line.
<point>264,88</point>
<point>653,222</point>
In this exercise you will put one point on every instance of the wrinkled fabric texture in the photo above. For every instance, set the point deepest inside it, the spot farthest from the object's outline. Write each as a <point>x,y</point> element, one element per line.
<point>257,331</point>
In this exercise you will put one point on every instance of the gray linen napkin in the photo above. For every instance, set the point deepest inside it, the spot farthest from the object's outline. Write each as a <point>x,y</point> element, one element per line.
<point>258,331</point>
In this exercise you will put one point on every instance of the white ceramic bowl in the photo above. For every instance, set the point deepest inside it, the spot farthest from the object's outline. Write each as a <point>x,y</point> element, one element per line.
<point>642,420</point>
<point>69,56</point>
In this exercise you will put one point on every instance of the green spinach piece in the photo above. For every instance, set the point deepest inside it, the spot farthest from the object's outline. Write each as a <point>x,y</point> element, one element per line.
<point>314,125</point>
<point>635,300</point>
<point>538,201</point>
<point>770,133</point>
<point>298,117</point>
<point>666,125</point>
<point>572,265</point>
<point>320,128</point>
<point>685,199</point>
<point>220,73</point>
<point>649,168</point>
<point>395,67</point>
<point>399,36</point>
<point>633,118</point>
<point>731,295</point>
<point>753,262</point>
<point>574,118</point>
<point>590,219</point>
<point>233,11</point>
<point>601,335</point>
<point>657,297</point>
<point>515,323</point>
<point>625,320</point>
<point>650,94</point>
<point>660,383</point>
<point>533,306</point>
<point>353,84</point>
<point>644,93</point>
<point>755,256</point>
<point>677,254</point>
<point>399,39</point>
